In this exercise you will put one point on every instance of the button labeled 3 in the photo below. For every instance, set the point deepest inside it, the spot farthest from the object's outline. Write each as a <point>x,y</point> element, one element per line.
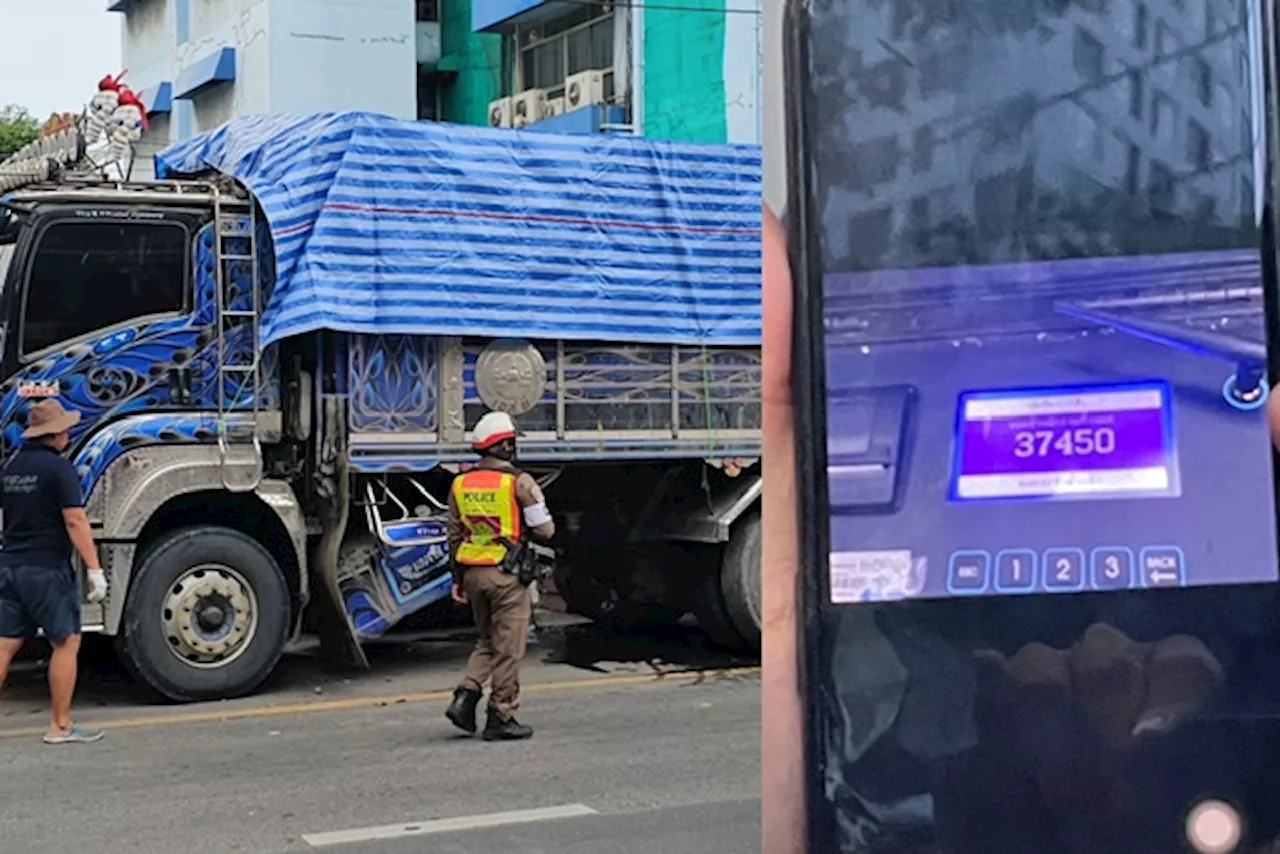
<point>1112,568</point>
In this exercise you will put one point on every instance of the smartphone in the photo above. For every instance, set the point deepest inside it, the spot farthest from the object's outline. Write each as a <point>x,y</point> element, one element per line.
<point>1034,262</point>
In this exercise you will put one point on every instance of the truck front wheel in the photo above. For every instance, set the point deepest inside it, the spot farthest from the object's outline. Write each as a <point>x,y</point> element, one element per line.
<point>207,615</point>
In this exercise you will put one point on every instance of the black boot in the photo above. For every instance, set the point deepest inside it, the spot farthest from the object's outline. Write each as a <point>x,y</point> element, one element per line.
<point>462,711</point>
<point>497,729</point>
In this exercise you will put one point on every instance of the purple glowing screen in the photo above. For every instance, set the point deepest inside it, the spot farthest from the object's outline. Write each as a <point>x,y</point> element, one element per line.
<point>1095,441</point>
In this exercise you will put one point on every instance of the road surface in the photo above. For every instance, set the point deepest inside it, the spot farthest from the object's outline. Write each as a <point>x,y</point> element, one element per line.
<point>640,756</point>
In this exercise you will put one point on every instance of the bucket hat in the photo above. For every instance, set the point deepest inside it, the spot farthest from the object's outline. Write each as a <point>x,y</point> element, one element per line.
<point>48,418</point>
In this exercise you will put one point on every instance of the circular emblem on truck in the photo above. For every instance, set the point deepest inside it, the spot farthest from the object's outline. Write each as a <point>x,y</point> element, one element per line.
<point>511,376</point>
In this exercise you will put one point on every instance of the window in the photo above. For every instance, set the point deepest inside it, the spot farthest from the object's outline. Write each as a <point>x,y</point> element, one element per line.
<point>427,10</point>
<point>428,96</point>
<point>1198,145</point>
<point>1161,192</point>
<point>1141,20</point>
<point>1001,202</point>
<point>1088,55</point>
<point>1166,40</point>
<point>581,41</point>
<point>875,162</point>
<point>92,275</point>
<point>870,238</point>
<point>1137,95</point>
<point>918,212</point>
<point>922,149</point>
<point>1164,113</point>
<point>943,69</point>
<point>1133,171</point>
<point>1202,80</point>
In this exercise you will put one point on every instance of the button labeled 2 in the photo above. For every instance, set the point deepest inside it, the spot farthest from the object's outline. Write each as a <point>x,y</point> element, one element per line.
<point>1015,571</point>
<point>1112,568</point>
<point>1063,569</point>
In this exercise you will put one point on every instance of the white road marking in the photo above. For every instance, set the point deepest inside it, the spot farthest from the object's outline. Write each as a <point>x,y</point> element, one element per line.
<point>446,825</point>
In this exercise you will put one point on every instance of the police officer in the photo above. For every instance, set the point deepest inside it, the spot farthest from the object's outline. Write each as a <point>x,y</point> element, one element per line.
<point>492,508</point>
<point>44,520</point>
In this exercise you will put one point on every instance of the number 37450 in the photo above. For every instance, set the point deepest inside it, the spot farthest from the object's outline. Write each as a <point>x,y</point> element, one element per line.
<point>1078,442</point>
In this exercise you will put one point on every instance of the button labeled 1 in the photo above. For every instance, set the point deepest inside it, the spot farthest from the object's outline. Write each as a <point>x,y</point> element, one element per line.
<point>1112,568</point>
<point>1015,571</point>
<point>1063,569</point>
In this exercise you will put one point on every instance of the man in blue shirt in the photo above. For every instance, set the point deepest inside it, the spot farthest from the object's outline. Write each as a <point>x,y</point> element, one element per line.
<point>44,519</point>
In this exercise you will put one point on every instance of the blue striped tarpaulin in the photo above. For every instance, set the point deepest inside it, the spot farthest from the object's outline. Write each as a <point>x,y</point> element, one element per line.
<point>389,226</point>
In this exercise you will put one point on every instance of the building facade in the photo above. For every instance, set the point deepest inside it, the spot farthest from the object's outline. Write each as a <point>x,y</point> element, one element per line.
<point>687,71</point>
<point>1021,128</point>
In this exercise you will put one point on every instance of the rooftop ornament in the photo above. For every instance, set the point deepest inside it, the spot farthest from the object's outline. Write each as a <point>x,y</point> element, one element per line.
<point>99,141</point>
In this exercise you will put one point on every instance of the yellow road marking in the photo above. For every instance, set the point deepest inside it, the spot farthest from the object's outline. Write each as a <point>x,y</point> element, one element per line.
<point>678,677</point>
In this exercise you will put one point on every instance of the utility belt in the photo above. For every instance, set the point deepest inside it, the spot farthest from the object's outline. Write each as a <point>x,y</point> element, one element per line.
<point>527,561</point>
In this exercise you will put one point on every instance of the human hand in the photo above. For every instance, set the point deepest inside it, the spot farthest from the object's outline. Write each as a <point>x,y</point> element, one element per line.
<point>1072,732</point>
<point>459,595</point>
<point>97,586</point>
<point>782,730</point>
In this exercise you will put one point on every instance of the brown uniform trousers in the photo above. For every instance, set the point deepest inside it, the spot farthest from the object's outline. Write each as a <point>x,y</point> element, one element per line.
<point>502,608</point>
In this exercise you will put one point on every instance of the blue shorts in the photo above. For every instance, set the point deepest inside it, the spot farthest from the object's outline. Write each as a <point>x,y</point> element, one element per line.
<point>39,596</point>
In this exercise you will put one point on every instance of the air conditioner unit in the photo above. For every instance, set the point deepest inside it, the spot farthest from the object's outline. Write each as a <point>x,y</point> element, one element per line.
<point>500,113</point>
<point>583,89</point>
<point>528,107</point>
<point>555,107</point>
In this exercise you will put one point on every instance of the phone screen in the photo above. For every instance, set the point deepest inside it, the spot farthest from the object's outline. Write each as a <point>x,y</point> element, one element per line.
<point>1035,282</point>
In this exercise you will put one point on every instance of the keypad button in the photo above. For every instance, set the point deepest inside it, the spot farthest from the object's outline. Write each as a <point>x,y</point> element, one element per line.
<point>1111,568</point>
<point>1162,566</point>
<point>968,572</point>
<point>1016,571</point>
<point>1063,570</point>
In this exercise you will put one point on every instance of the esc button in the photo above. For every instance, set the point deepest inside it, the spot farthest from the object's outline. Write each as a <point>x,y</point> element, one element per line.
<point>968,572</point>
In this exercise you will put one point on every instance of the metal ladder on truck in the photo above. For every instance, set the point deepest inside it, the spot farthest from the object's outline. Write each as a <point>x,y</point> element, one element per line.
<point>235,246</point>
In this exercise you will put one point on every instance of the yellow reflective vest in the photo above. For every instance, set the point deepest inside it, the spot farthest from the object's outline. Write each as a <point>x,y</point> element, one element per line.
<point>490,512</point>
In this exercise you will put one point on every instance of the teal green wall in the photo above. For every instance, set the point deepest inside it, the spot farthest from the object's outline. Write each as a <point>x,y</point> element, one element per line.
<point>477,59</point>
<point>684,93</point>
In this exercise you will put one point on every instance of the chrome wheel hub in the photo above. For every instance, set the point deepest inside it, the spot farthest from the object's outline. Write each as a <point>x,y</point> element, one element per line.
<point>209,616</point>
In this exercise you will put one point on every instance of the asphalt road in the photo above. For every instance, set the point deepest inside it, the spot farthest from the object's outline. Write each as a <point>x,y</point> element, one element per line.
<point>639,756</point>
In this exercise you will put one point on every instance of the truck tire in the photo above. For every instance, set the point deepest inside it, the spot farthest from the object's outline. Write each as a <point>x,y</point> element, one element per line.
<point>710,609</point>
<point>207,616</point>
<point>740,579</point>
<point>584,595</point>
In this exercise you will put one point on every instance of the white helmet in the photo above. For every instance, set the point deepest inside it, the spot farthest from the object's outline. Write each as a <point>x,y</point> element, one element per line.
<point>492,428</point>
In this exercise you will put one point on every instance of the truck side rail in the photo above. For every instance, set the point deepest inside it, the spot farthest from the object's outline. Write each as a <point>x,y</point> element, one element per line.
<point>574,401</point>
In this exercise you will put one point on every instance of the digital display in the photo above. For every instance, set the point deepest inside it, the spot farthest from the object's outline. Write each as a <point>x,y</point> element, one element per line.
<point>1094,441</point>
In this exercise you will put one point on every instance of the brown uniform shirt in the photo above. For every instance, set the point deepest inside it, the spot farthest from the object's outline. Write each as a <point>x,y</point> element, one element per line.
<point>528,493</point>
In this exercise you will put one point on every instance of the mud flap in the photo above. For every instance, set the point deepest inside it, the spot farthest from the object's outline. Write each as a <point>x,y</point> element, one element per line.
<point>339,646</point>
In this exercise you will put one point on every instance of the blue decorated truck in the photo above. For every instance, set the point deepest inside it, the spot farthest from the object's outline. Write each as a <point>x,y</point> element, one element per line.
<point>280,343</point>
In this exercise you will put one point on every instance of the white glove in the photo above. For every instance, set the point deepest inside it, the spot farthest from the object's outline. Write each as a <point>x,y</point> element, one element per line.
<point>97,586</point>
